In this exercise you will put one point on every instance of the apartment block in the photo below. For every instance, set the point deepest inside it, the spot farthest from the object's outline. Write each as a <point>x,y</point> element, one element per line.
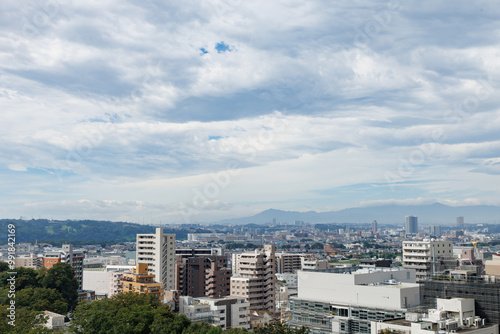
<point>254,278</point>
<point>139,280</point>
<point>158,252</point>
<point>29,261</point>
<point>347,302</point>
<point>288,263</point>
<point>428,257</point>
<point>66,255</point>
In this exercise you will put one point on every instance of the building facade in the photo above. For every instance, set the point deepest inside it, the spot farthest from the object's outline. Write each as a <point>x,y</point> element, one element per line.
<point>288,263</point>
<point>158,252</point>
<point>139,280</point>
<point>411,225</point>
<point>254,278</point>
<point>428,257</point>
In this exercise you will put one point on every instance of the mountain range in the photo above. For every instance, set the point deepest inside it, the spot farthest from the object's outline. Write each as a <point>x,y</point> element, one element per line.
<point>432,214</point>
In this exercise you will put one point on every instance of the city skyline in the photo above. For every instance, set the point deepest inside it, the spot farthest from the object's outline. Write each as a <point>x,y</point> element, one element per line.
<point>184,112</point>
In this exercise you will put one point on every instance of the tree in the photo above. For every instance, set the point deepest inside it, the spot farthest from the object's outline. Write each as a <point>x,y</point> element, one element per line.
<point>4,266</point>
<point>61,277</point>
<point>202,328</point>
<point>25,278</point>
<point>41,299</point>
<point>127,313</point>
<point>26,322</point>
<point>281,328</point>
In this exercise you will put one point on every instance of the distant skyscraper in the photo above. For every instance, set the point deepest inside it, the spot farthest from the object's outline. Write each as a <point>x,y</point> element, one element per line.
<point>374,227</point>
<point>411,225</point>
<point>460,222</point>
<point>435,231</point>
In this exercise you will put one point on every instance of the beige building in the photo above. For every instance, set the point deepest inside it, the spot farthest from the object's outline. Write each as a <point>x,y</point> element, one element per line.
<point>140,281</point>
<point>158,252</point>
<point>288,263</point>
<point>29,261</point>
<point>492,267</point>
<point>254,278</point>
<point>428,257</point>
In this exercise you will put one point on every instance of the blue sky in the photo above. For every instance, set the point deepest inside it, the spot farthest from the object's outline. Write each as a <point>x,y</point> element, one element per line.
<point>185,112</point>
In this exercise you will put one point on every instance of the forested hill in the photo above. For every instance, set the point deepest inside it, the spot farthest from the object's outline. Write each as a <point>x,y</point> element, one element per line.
<point>78,232</point>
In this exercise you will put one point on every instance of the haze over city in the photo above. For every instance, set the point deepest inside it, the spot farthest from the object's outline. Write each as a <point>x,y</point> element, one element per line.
<point>201,111</point>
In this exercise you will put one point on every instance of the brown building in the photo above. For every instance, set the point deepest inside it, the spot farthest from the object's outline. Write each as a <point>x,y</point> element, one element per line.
<point>203,276</point>
<point>140,281</point>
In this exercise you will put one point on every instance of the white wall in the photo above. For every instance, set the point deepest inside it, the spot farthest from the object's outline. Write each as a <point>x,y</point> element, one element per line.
<point>96,280</point>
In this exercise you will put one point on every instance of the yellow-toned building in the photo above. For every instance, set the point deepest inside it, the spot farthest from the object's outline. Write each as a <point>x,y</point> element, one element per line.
<point>140,281</point>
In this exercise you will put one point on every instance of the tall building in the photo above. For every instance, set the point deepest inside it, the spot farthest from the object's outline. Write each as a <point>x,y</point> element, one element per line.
<point>66,255</point>
<point>346,303</point>
<point>254,278</point>
<point>139,280</point>
<point>460,222</point>
<point>288,263</point>
<point>428,257</point>
<point>411,225</point>
<point>158,252</point>
<point>200,276</point>
<point>374,227</point>
<point>435,230</point>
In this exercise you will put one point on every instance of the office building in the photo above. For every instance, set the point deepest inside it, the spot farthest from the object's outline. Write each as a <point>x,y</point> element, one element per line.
<point>347,302</point>
<point>158,252</point>
<point>374,227</point>
<point>254,278</point>
<point>139,280</point>
<point>428,257</point>
<point>411,225</point>
<point>226,313</point>
<point>456,315</point>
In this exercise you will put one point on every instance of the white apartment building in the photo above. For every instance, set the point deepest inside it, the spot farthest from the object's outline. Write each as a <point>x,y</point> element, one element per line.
<point>428,257</point>
<point>347,302</point>
<point>254,278</point>
<point>226,312</point>
<point>456,315</point>
<point>105,281</point>
<point>158,252</point>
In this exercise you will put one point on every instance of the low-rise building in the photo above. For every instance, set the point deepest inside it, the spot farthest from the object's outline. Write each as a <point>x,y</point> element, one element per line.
<point>140,281</point>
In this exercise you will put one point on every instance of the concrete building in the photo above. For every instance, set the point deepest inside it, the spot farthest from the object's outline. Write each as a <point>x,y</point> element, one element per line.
<point>460,222</point>
<point>54,320</point>
<point>203,276</point>
<point>254,278</point>
<point>435,231</point>
<point>139,280</point>
<point>29,261</point>
<point>411,225</point>
<point>492,267</point>
<point>456,315</point>
<point>310,262</point>
<point>347,302</point>
<point>374,227</point>
<point>226,313</point>
<point>66,255</point>
<point>192,252</point>
<point>158,252</point>
<point>428,257</point>
<point>288,263</point>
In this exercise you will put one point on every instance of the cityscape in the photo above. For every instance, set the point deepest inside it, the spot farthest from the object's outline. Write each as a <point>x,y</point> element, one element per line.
<point>229,166</point>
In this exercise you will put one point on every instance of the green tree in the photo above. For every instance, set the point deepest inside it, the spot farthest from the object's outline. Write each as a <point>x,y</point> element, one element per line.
<point>25,278</point>
<point>41,299</point>
<point>281,328</point>
<point>26,322</point>
<point>61,277</point>
<point>202,328</point>
<point>4,266</point>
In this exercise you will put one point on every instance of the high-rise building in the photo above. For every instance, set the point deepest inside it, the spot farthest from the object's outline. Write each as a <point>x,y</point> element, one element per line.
<point>428,257</point>
<point>203,276</point>
<point>435,230</point>
<point>254,278</point>
<point>158,252</point>
<point>374,227</point>
<point>288,263</point>
<point>66,255</point>
<point>411,225</point>
<point>460,222</point>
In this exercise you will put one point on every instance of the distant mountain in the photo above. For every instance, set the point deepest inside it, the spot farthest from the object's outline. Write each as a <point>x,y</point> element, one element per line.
<point>433,214</point>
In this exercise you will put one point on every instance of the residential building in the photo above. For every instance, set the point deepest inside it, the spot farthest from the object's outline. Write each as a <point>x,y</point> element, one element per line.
<point>492,267</point>
<point>428,257</point>
<point>435,231</point>
<point>310,262</point>
<point>158,252</point>
<point>456,315</point>
<point>347,302</point>
<point>254,278</point>
<point>200,276</point>
<point>226,312</point>
<point>139,280</point>
<point>66,255</point>
<point>411,225</point>
<point>29,261</point>
<point>288,263</point>
<point>460,222</point>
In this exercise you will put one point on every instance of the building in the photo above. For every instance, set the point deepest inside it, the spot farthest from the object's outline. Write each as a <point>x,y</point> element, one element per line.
<point>374,227</point>
<point>66,255</point>
<point>139,280</point>
<point>310,262</point>
<point>348,302</point>
<point>192,252</point>
<point>484,289</point>
<point>460,222</point>
<point>203,276</point>
<point>226,313</point>
<point>456,315</point>
<point>254,278</point>
<point>288,263</point>
<point>29,261</point>
<point>492,267</point>
<point>54,320</point>
<point>428,257</point>
<point>158,252</point>
<point>411,225</point>
<point>435,231</point>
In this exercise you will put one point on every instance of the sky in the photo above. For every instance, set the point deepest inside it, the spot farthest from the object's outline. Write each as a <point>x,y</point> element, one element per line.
<point>196,111</point>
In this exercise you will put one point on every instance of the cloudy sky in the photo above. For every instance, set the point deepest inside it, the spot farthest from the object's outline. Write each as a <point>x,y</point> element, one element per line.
<point>201,110</point>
